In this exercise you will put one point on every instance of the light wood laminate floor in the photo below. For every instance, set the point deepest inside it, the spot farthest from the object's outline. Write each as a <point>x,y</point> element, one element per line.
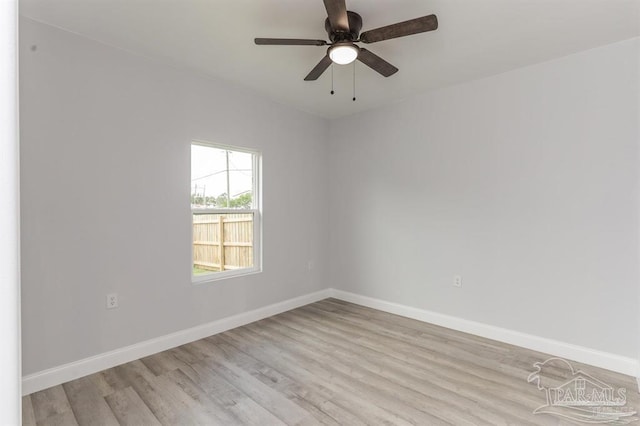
<point>331,363</point>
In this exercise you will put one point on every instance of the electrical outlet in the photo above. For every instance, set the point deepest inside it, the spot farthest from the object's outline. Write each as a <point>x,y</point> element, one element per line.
<point>112,301</point>
<point>457,281</point>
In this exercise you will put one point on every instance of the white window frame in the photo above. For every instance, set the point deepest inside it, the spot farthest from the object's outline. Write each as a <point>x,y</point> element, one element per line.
<point>256,210</point>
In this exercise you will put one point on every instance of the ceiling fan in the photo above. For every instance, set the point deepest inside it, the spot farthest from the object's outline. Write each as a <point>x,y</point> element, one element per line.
<point>344,27</point>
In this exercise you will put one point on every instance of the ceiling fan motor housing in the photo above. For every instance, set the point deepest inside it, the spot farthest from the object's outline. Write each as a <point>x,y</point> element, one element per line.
<point>355,25</point>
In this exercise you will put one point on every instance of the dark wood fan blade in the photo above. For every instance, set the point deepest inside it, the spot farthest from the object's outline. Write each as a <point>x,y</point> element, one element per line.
<point>319,69</point>
<point>401,29</point>
<point>337,12</point>
<point>376,63</point>
<point>289,42</point>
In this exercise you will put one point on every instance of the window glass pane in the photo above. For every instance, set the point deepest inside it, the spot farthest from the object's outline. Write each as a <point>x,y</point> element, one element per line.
<point>223,179</point>
<point>222,242</point>
<point>216,173</point>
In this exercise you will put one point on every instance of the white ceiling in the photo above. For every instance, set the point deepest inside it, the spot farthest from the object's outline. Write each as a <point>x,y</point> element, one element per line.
<point>476,38</point>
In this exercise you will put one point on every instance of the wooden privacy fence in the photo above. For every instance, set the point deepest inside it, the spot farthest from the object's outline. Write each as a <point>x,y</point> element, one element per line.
<point>222,241</point>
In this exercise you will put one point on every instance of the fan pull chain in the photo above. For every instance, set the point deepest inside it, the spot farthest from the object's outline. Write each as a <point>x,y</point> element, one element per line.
<point>332,92</point>
<point>354,81</point>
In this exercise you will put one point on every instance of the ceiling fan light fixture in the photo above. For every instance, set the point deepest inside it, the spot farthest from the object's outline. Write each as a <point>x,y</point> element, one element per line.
<point>343,53</point>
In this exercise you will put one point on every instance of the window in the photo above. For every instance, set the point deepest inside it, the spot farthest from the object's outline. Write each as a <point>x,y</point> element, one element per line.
<point>225,200</point>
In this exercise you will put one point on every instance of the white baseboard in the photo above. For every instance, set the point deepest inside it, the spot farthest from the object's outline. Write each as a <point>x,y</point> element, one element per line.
<point>61,374</point>
<point>73,370</point>
<point>609,361</point>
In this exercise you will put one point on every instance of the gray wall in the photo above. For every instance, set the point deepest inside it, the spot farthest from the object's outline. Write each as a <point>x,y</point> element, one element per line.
<point>524,183</point>
<point>105,197</point>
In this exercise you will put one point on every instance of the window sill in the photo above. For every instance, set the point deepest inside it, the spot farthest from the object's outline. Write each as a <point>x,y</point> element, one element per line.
<point>217,276</point>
